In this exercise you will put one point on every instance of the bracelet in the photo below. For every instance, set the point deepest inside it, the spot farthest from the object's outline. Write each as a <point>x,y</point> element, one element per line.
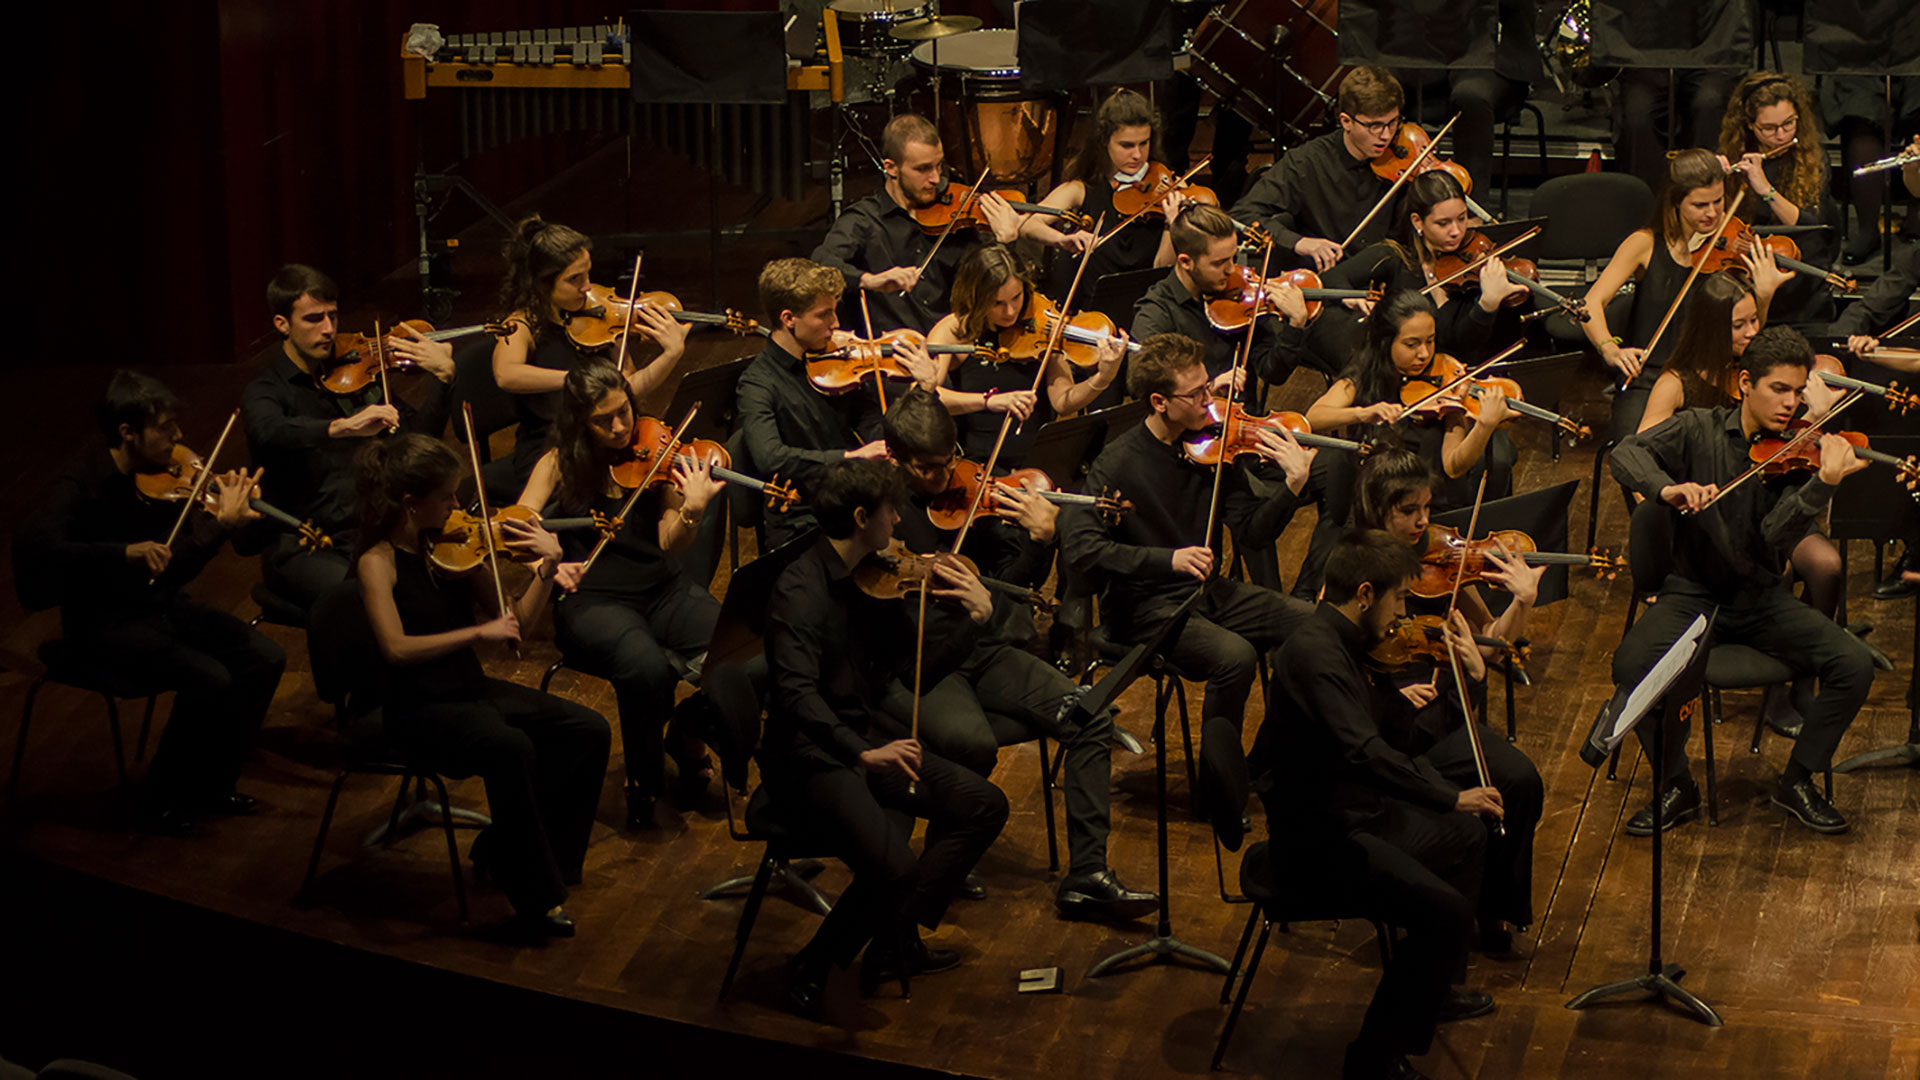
<point>691,521</point>
<point>1768,197</point>
<point>987,398</point>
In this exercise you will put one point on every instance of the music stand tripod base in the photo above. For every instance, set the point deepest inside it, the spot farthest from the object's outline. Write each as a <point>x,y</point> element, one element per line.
<point>1664,983</point>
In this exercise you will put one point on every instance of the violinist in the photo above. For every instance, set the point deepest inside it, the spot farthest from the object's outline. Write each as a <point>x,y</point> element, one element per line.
<point>1318,191</point>
<point>1152,559</point>
<point>833,653</point>
<point>1204,244</point>
<point>638,608</point>
<point>1118,149</point>
<point>999,675</point>
<point>98,549</point>
<point>542,757</point>
<point>304,436</point>
<point>876,244</point>
<point>548,269</point>
<point>793,430</point>
<point>1772,139</point>
<point>1730,555</point>
<point>992,293</point>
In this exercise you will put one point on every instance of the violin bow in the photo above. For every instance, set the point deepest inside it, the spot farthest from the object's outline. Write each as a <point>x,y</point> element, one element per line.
<point>1425,152</point>
<point>633,307</point>
<point>1453,660</point>
<point>1697,260</point>
<point>1813,428</point>
<point>1475,265</point>
<point>1241,358</point>
<point>1903,325</point>
<point>1058,330</point>
<point>1131,218</point>
<point>879,380</point>
<point>1496,359</point>
<point>379,346</point>
<point>486,515</point>
<point>952,221</point>
<point>199,485</point>
<point>661,457</point>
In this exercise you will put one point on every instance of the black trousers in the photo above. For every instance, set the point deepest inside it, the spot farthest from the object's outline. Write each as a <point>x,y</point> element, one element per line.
<point>542,758</point>
<point>1641,119</point>
<point>1480,97</point>
<point>1008,681</point>
<point>224,673</point>
<point>1231,627</point>
<point>627,644</point>
<point>1330,483</point>
<point>1506,891</point>
<point>866,819</point>
<point>1775,623</point>
<point>300,575</point>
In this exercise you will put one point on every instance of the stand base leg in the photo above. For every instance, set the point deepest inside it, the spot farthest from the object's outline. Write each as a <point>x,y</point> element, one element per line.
<point>1907,754</point>
<point>1160,947</point>
<point>1665,984</point>
<point>791,882</point>
<point>419,814</point>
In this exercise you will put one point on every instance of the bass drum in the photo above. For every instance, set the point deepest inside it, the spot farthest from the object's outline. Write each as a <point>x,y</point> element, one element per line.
<point>1273,62</point>
<point>986,119</point>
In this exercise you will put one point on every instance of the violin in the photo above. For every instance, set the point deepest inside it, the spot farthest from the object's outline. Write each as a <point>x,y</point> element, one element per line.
<point>1407,145</point>
<point>1232,431</point>
<point>607,315</point>
<point>176,482</point>
<point>1728,245</point>
<point>1231,309</point>
<point>841,368</point>
<point>1418,390</point>
<point>1446,557</point>
<point>1423,637</point>
<point>962,211</point>
<point>897,572</point>
<point>948,509</point>
<point>460,547</point>
<point>651,436</point>
<point>359,359</point>
<point>1144,196</point>
<point>1804,455</point>
<point>1898,398</point>
<point>1079,340</point>
<point>1474,246</point>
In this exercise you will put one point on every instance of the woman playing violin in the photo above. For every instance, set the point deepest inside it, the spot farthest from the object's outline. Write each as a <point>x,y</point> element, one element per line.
<point>992,293</point>
<point>638,610</point>
<point>1118,149</point>
<point>547,277</point>
<point>1772,141</point>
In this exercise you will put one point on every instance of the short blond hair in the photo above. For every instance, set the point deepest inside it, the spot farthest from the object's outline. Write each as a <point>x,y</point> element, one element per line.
<point>1370,91</point>
<point>794,285</point>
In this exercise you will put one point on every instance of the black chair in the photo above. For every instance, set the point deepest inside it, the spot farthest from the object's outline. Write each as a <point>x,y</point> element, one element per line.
<point>1506,120</point>
<point>66,665</point>
<point>1588,214</point>
<point>493,411</point>
<point>1277,895</point>
<point>347,673</point>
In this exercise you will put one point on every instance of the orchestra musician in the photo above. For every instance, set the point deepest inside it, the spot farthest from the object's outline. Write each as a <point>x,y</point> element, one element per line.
<point>1730,555</point>
<point>99,549</point>
<point>304,436</point>
<point>638,609</point>
<point>1118,149</point>
<point>1204,245</point>
<point>1771,136</point>
<point>876,244</point>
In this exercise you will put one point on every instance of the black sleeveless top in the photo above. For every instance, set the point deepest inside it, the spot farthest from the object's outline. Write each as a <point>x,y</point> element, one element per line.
<point>552,351</point>
<point>1133,248</point>
<point>1651,298</point>
<point>633,565</point>
<point>978,430</point>
<point>430,603</point>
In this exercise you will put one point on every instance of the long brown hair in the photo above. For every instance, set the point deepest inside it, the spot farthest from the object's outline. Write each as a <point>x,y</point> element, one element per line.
<point>582,468</point>
<point>1424,192</point>
<point>1687,170</point>
<point>1807,179</point>
<point>1703,353</point>
<point>536,256</point>
<point>979,278</point>
<point>1123,108</point>
<point>386,471</point>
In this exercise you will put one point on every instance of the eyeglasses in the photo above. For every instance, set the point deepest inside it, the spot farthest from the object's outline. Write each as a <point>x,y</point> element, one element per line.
<point>1197,395</point>
<point>1377,128</point>
<point>929,468</point>
<point>1788,124</point>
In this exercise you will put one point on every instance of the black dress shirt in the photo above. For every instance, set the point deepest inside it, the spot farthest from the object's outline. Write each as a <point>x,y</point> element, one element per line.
<point>1133,557</point>
<point>832,651</point>
<point>1001,549</point>
<point>875,235</point>
<point>1171,308</point>
<point>309,474</point>
<point>1321,752</point>
<point>1739,546</point>
<point>1317,189</point>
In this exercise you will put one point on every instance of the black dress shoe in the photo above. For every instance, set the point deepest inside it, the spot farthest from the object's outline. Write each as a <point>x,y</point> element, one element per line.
<point>232,804</point>
<point>1464,1005</point>
<point>1679,804</point>
<point>972,888</point>
<point>555,924</point>
<point>1803,800</point>
<point>806,989</point>
<point>1102,895</point>
<point>1781,714</point>
<point>1893,586</point>
<point>883,962</point>
<point>1365,1064</point>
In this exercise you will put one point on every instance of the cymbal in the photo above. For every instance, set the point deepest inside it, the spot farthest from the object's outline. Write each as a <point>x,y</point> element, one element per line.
<point>934,26</point>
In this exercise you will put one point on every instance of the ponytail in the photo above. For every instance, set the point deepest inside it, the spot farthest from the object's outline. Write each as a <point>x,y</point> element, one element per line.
<point>386,471</point>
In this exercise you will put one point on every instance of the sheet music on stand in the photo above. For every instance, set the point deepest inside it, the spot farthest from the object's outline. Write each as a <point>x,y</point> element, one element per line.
<point>1650,691</point>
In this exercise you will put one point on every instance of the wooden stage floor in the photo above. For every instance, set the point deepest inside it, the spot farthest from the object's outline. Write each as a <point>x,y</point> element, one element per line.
<point>1808,945</point>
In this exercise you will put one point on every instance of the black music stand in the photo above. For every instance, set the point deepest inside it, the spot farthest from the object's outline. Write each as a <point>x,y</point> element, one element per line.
<point>1115,295</point>
<point>1676,680</point>
<point>1502,231</point>
<point>1063,447</point>
<point>1162,945</point>
<point>714,388</point>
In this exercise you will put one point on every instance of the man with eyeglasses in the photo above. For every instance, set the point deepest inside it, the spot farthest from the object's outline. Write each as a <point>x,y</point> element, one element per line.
<point>1151,560</point>
<point>1314,195</point>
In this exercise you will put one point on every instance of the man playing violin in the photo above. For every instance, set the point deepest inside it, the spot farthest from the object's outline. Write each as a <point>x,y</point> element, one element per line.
<point>999,676</point>
<point>1730,550</point>
<point>304,436</point>
<point>1320,190</point>
<point>876,244</point>
<point>99,549</point>
<point>1204,244</point>
<point>1153,558</point>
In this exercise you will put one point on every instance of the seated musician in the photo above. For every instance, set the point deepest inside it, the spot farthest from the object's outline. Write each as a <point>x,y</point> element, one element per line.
<point>1396,488</point>
<point>876,244</point>
<point>992,294</point>
<point>999,676</point>
<point>1375,822</point>
<point>304,436</point>
<point>637,608</point>
<point>548,268</point>
<point>832,654</point>
<point>542,757</point>
<point>1117,149</point>
<point>1692,203</point>
<point>1731,556</point>
<point>1204,244</point>
<point>794,430</point>
<point>1319,191</point>
<point>1771,136</point>
<point>99,549</point>
<point>1153,558</point>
